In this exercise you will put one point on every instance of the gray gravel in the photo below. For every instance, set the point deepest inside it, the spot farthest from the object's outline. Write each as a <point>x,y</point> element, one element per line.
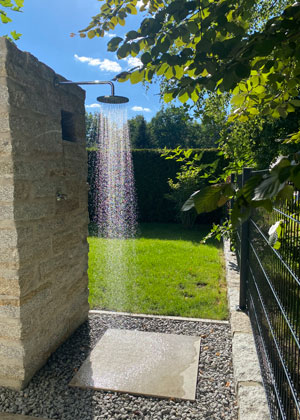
<point>48,394</point>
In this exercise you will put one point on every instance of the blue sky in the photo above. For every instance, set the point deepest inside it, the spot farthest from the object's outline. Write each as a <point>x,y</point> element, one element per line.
<point>46,26</point>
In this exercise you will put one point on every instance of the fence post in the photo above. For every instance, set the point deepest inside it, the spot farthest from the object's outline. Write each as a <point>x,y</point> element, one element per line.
<point>244,252</point>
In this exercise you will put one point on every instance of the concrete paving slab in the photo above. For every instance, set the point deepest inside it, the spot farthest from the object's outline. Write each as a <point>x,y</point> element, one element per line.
<point>142,363</point>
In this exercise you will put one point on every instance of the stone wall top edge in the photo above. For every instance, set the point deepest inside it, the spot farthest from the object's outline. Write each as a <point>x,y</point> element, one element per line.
<point>13,52</point>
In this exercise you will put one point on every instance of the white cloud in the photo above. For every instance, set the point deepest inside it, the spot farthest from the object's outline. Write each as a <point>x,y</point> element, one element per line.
<point>133,62</point>
<point>140,109</point>
<point>140,4</point>
<point>82,59</point>
<point>104,65</point>
<point>108,65</point>
<point>93,106</point>
<point>108,35</point>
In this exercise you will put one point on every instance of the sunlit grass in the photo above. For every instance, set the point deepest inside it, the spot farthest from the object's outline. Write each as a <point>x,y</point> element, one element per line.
<point>164,271</point>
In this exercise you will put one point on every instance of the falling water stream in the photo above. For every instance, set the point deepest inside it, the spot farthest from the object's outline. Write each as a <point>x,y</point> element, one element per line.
<point>116,213</point>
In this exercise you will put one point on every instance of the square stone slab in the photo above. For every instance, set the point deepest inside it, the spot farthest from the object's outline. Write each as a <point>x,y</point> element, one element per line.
<point>143,363</point>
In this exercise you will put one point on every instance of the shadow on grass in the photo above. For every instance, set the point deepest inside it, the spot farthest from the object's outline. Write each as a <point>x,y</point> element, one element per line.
<point>170,232</point>
<point>175,232</point>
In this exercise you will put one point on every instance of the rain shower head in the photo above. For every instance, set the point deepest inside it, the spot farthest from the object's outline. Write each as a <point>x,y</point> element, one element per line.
<point>109,99</point>
<point>112,99</point>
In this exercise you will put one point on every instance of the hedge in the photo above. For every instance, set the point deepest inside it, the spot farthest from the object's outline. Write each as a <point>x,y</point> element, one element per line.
<point>151,172</point>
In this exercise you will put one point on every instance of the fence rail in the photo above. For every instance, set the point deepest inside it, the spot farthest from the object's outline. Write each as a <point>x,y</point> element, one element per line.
<point>270,293</point>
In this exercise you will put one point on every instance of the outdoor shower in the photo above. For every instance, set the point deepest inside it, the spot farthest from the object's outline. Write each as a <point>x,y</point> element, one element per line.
<point>108,99</point>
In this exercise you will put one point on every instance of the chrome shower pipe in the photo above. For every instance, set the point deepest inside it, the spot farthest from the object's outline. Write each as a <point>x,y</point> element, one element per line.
<point>95,82</point>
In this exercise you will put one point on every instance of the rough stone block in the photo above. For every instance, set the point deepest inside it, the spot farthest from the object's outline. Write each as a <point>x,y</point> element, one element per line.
<point>8,382</point>
<point>9,286</point>
<point>29,278</point>
<point>5,145</point>
<point>66,206</point>
<point>6,211</point>
<point>9,311</point>
<point>8,237</point>
<point>233,296</point>
<point>11,349</point>
<point>75,151</point>
<point>4,122</point>
<point>244,356</point>
<point>62,241</point>
<point>6,166</point>
<point>10,328</point>
<point>37,209</point>
<point>37,170</point>
<point>9,281</point>
<point>35,250</point>
<point>6,192</point>
<point>4,96</point>
<point>240,322</point>
<point>252,403</point>
<point>8,254</point>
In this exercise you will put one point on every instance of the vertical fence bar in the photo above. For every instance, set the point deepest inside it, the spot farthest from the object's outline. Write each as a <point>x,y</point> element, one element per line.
<point>244,252</point>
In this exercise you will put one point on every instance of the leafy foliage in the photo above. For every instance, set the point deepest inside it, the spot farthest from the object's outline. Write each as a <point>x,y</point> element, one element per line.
<point>10,5</point>
<point>197,166</point>
<point>139,131</point>
<point>209,46</point>
<point>172,127</point>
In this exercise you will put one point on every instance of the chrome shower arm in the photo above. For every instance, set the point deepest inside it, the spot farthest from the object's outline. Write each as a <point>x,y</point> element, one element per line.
<point>95,82</point>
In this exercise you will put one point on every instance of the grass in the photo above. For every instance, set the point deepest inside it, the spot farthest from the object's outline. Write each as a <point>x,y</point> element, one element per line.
<point>164,271</point>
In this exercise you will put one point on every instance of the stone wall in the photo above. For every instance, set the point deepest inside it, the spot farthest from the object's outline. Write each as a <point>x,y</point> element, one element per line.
<point>43,214</point>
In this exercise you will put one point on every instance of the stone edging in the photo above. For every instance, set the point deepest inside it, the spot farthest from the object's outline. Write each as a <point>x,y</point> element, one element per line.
<point>250,392</point>
<point>174,318</point>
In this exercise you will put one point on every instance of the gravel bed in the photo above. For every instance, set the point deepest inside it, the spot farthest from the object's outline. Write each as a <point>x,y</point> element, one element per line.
<point>49,396</point>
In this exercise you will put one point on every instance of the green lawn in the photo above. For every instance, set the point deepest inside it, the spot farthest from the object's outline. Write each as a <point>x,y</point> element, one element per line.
<point>164,271</point>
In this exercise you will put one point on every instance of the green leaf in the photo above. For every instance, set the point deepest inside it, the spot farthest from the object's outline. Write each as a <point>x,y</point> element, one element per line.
<point>238,100</point>
<point>209,198</point>
<point>123,51</point>
<point>242,70</point>
<point>295,102</point>
<point>146,58</point>
<point>15,35</point>
<point>179,72</point>
<point>132,35</point>
<point>91,34</point>
<point>114,43</point>
<point>168,97</point>
<point>183,97</point>
<point>4,18</point>
<point>136,76</point>
<point>265,47</point>
<point>285,194</point>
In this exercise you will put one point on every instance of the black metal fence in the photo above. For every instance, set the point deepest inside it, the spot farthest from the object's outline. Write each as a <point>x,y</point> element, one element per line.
<point>270,293</point>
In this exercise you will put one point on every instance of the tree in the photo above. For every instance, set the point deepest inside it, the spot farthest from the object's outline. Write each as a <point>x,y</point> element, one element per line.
<point>139,133</point>
<point>216,46</point>
<point>9,5</point>
<point>170,127</point>
<point>92,129</point>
